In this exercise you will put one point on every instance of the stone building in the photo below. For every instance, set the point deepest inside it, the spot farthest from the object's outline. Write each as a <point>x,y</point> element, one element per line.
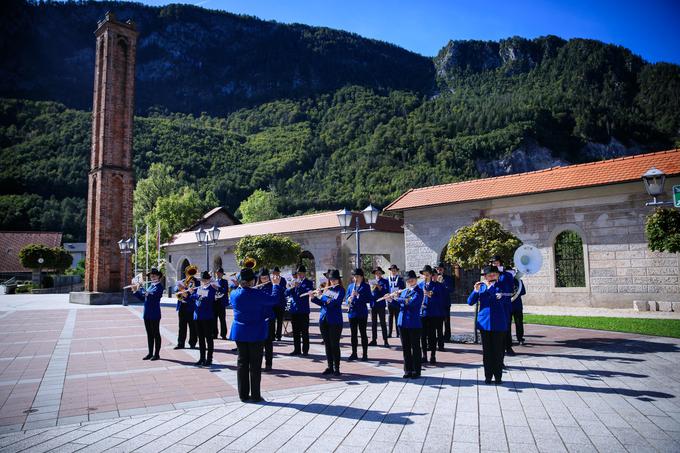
<point>587,220</point>
<point>324,245</point>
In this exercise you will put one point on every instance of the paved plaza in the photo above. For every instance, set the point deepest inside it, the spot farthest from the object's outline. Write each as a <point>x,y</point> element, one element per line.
<point>72,378</point>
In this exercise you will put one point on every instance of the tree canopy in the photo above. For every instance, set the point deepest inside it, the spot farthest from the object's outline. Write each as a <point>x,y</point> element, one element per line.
<point>472,246</point>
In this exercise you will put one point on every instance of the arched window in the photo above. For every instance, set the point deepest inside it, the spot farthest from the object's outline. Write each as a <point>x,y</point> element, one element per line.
<point>182,269</point>
<point>569,264</point>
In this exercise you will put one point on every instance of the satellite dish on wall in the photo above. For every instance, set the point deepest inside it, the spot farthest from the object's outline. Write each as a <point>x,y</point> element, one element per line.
<point>528,259</point>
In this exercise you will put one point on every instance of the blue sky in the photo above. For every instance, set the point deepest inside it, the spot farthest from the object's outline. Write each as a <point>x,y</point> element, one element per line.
<point>649,28</point>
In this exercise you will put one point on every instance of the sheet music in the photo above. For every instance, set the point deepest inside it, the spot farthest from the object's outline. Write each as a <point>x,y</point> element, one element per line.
<point>203,292</point>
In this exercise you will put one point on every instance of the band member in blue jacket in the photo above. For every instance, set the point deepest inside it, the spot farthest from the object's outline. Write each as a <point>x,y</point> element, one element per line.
<point>432,313</point>
<point>249,330</point>
<point>280,308</point>
<point>506,281</point>
<point>267,288</point>
<point>220,306</point>
<point>204,298</point>
<point>449,286</point>
<point>330,319</point>
<point>378,307</point>
<point>491,321</point>
<point>299,311</point>
<point>518,316</point>
<point>410,301</point>
<point>395,282</point>
<point>186,307</point>
<point>151,297</point>
<point>357,299</point>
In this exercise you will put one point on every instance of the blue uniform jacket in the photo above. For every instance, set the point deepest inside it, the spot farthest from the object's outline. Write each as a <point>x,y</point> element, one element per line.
<point>492,312</point>
<point>358,307</point>
<point>204,304</point>
<point>331,305</point>
<point>449,287</point>
<point>409,313</point>
<point>506,282</point>
<point>152,301</point>
<point>300,305</point>
<point>433,306</point>
<point>517,303</point>
<point>395,283</point>
<point>224,289</point>
<point>267,289</point>
<point>187,305</point>
<point>382,288</point>
<point>282,293</point>
<point>251,308</point>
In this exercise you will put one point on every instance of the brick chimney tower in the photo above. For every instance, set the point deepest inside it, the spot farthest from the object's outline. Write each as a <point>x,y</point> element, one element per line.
<point>111,177</point>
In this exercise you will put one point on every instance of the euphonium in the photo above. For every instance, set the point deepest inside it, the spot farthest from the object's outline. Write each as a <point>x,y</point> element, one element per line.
<point>249,263</point>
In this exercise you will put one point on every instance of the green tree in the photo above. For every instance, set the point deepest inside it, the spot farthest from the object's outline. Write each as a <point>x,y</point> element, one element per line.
<point>663,230</point>
<point>269,250</point>
<point>159,182</point>
<point>31,253</point>
<point>260,205</point>
<point>472,246</point>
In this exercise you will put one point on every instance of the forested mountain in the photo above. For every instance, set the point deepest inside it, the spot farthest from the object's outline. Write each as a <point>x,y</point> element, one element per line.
<point>332,119</point>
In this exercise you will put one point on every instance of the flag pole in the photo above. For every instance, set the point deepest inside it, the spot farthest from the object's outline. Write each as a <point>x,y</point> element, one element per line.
<point>136,250</point>
<point>158,247</point>
<point>147,249</point>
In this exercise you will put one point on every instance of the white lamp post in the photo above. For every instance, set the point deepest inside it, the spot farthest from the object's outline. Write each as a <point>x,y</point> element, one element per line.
<point>345,220</point>
<point>654,180</point>
<point>207,238</point>
<point>126,246</point>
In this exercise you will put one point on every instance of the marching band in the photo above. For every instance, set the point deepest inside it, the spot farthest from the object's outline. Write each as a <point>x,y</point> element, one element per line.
<point>419,312</point>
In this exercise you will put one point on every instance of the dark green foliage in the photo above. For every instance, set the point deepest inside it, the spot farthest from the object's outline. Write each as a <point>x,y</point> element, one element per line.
<point>268,250</point>
<point>53,258</point>
<point>472,246</point>
<point>663,230</point>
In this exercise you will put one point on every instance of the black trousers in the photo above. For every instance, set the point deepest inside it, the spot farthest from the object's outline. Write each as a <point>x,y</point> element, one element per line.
<point>447,324</point>
<point>300,323</point>
<point>375,315</point>
<point>410,345</point>
<point>432,335</point>
<point>269,343</point>
<point>493,351</point>
<point>205,338</point>
<point>331,340</point>
<point>393,318</point>
<point>278,313</point>
<point>186,319</point>
<point>153,335</point>
<point>359,325</point>
<point>220,319</point>
<point>249,369</point>
<point>518,316</point>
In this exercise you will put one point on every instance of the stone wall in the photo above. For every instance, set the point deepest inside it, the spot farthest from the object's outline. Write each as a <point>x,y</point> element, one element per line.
<point>610,220</point>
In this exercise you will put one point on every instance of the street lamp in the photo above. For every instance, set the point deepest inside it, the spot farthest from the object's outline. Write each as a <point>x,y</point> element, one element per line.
<point>207,238</point>
<point>126,247</point>
<point>654,180</point>
<point>345,220</point>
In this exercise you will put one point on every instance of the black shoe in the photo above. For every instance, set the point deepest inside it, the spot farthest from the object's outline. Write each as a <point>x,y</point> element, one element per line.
<point>387,345</point>
<point>259,399</point>
<point>373,343</point>
<point>178,347</point>
<point>352,357</point>
<point>498,381</point>
<point>415,375</point>
<point>433,361</point>
<point>305,354</point>
<point>487,381</point>
<point>294,353</point>
<point>155,357</point>
<point>522,341</point>
<point>193,346</point>
<point>201,362</point>
<point>336,373</point>
<point>441,348</point>
<point>407,375</point>
<point>327,371</point>
<point>278,338</point>
<point>245,400</point>
<point>510,352</point>
<point>147,357</point>
<point>208,363</point>
<point>364,358</point>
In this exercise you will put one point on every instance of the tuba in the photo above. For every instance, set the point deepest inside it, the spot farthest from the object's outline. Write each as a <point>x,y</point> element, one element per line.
<point>249,263</point>
<point>528,260</point>
<point>188,283</point>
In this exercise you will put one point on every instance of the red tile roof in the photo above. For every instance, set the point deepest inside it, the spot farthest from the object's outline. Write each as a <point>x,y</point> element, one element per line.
<point>311,222</point>
<point>613,171</point>
<point>11,242</point>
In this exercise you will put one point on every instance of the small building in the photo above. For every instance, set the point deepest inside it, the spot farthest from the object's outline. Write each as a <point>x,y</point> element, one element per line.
<point>587,220</point>
<point>323,243</point>
<point>77,251</point>
<point>11,243</point>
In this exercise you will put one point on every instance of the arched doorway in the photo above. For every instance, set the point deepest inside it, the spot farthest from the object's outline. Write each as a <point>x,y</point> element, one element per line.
<point>464,279</point>
<point>307,259</point>
<point>182,268</point>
